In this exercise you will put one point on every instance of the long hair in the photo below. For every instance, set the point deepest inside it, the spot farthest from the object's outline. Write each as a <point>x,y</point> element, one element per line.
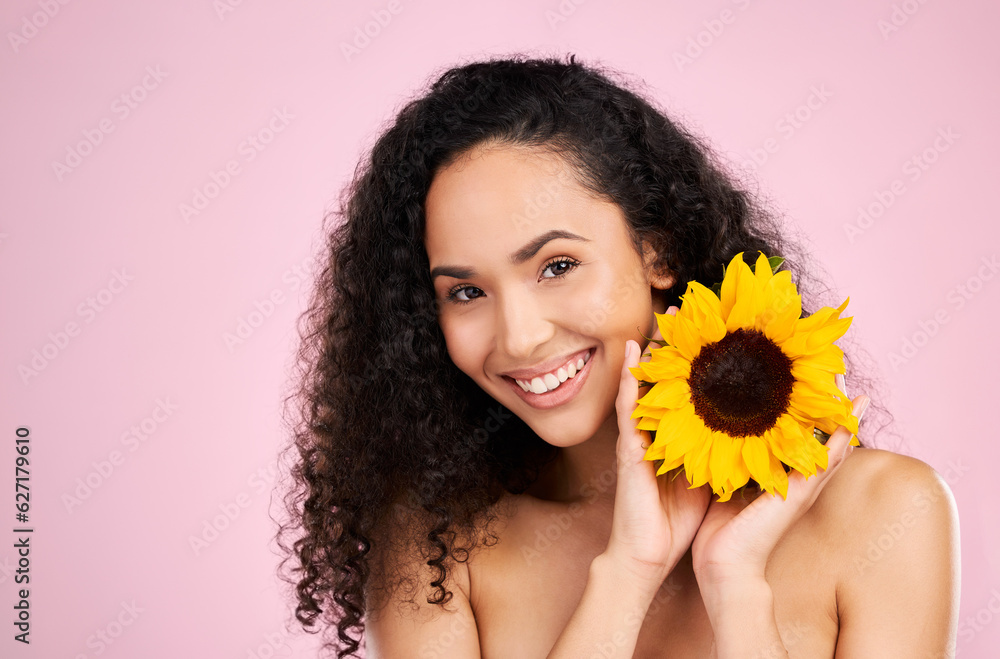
<point>381,419</point>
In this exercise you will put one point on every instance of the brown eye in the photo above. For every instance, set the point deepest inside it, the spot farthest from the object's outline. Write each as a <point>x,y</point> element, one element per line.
<point>452,295</point>
<point>558,264</point>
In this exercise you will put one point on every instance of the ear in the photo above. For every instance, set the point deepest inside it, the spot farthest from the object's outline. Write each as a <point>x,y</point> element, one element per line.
<point>657,279</point>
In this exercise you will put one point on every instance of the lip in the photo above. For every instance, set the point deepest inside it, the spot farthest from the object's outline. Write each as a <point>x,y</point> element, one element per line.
<point>551,365</point>
<point>564,392</point>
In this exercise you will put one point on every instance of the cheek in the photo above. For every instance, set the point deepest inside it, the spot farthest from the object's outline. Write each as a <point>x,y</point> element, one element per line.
<point>463,341</point>
<point>613,303</point>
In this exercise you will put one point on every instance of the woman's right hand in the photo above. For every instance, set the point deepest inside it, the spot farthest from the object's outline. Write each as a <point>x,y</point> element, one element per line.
<point>655,518</point>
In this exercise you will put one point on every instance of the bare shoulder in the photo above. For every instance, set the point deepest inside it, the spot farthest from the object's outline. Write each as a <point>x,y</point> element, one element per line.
<point>404,566</point>
<point>890,539</point>
<point>873,487</point>
<point>416,605</point>
<point>883,509</point>
<point>873,482</point>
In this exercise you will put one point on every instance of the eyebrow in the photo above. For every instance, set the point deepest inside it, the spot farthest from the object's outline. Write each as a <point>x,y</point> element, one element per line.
<point>517,258</point>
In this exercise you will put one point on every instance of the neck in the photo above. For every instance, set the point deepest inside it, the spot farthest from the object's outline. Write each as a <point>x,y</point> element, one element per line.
<point>584,473</point>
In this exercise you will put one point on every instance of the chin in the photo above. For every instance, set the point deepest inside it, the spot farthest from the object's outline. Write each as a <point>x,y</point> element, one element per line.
<point>565,434</point>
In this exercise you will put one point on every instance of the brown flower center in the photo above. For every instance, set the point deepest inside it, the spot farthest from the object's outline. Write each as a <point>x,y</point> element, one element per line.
<point>741,385</point>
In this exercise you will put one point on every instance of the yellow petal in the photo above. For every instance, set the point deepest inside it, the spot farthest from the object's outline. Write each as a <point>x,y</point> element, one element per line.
<point>829,359</point>
<point>665,354</point>
<point>755,454</point>
<point>665,322</point>
<point>664,369</point>
<point>809,404</point>
<point>725,451</point>
<point>762,270</point>
<point>671,394</point>
<point>655,452</point>
<point>796,446</point>
<point>708,314</point>
<point>704,299</point>
<point>782,308</point>
<point>644,410</point>
<point>667,465</point>
<point>727,292</point>
<point>679,428</point>
<point>743,313</point>
<point>821,317</point>
<point>823,337</point>
<point>647,423</point>
<point>687,338</point>
<point>739,474</point>
<point>779,479</point>
<point>696,461</point>
<point>818,381</point>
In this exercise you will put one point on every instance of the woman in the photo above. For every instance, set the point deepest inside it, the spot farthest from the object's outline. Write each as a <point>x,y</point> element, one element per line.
<point>529,217</point>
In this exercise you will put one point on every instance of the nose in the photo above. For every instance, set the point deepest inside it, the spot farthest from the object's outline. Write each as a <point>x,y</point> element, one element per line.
<point>522,324</point>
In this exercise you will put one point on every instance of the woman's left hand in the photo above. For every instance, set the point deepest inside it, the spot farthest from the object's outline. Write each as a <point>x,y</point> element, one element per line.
<point>735,539</point>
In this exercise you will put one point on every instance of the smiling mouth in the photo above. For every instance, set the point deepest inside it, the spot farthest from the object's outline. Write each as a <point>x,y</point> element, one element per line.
<point>552,380</point>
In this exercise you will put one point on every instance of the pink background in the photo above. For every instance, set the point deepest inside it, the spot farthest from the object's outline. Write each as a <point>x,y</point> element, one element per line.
<point>223,74</point>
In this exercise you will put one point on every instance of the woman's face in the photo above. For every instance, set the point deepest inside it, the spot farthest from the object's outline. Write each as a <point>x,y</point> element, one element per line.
<point>533,275</point>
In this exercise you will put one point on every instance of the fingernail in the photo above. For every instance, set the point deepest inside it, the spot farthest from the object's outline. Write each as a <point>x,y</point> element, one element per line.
<point>864,406</point>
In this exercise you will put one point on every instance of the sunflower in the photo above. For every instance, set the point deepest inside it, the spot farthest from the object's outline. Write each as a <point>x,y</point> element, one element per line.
<point>742,382</point>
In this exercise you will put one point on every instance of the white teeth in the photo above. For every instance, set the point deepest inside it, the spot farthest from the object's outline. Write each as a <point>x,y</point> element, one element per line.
<point>550,381</point>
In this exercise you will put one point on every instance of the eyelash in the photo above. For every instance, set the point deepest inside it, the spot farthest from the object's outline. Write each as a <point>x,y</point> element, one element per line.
<point>451,295</point>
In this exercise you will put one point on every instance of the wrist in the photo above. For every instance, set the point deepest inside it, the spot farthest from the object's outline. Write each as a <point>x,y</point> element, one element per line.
<point>641,577</point>
<point>715,576</point>
<point>737,594</point>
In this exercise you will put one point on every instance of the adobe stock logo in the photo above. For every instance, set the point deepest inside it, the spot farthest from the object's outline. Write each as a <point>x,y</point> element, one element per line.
<point>121,108</point>
<point>562,12</point>
<point>787,126</point>
<point>957,297</point>
<point>712,30</point>
<point>900,16</point>
<point>913,168</point>
<point>103,469</point>
<point>220,179</point>
<point>89,311</point>
<point>364,35</point>
<point>30,25</point>
<point>104,637</point>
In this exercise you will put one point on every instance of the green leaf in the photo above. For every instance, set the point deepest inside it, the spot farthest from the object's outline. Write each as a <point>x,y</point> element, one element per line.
<point>775,262</point>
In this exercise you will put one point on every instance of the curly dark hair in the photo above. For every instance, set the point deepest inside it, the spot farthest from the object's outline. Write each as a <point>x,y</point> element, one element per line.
<point>383,421</point>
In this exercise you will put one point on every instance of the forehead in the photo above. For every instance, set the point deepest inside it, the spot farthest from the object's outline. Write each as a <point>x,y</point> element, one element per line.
<point>495,198</point>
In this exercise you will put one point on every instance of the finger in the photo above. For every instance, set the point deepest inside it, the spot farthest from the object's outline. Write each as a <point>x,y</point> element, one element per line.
<point>839,442</point>
<point>841,383</point>
<point>803,491</point>
<point>630,440</point>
